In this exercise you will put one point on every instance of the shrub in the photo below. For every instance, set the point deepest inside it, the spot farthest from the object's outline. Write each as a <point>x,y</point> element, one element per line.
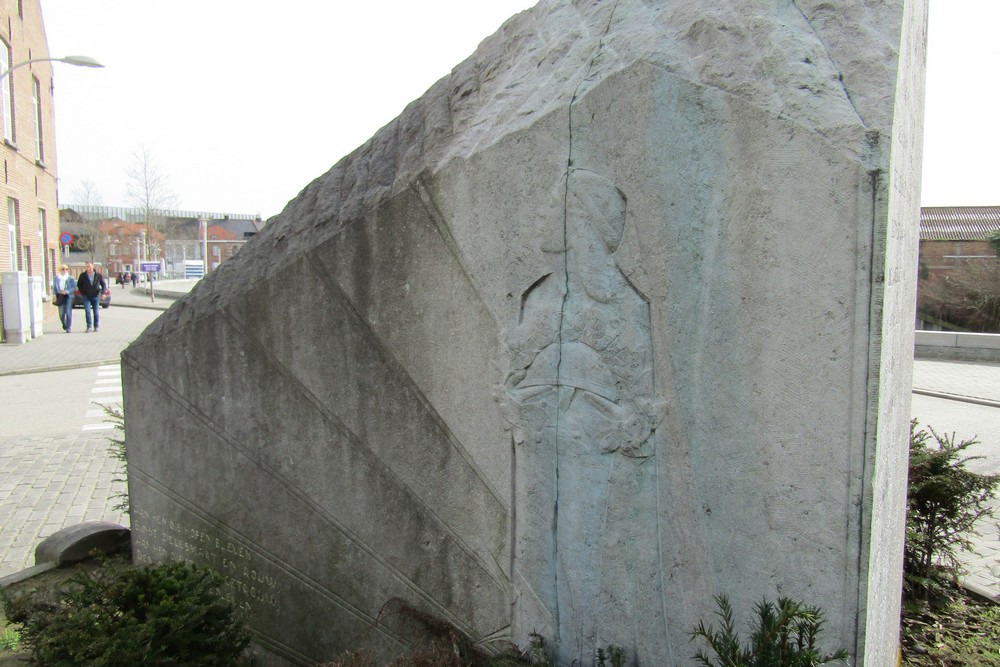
<point>124,616</point>
<point>116,450</point>
<point>784,635</point>
<point>944,502</point>
<point>10,639</point>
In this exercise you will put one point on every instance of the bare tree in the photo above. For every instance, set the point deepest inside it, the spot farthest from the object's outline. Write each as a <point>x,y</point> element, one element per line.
<point>87,228</point>
<point>87,194</point>
<point>149,191</point>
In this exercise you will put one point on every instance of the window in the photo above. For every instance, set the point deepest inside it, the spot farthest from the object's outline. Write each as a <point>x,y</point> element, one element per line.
<point>43,234</point>
<point>13,246</point>
<point>36,99</point>
<point>15,234</point>
<point>6,94</point>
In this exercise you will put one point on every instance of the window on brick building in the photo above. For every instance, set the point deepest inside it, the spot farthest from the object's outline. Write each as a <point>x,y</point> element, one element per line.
<point>6,93</point>
<point>43,237</point>
<point>12,239</point>
<point>36,98</point>
<point>14,225</point>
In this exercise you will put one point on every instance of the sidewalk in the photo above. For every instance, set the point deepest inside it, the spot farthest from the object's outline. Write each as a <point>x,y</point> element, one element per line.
<point>963,398</point>
<point>57,350</point>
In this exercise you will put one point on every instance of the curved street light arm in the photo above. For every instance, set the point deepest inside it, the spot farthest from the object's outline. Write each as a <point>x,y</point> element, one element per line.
<point>78,61</point>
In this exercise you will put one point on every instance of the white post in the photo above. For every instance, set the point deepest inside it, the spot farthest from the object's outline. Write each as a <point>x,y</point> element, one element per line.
<point>204,243</point>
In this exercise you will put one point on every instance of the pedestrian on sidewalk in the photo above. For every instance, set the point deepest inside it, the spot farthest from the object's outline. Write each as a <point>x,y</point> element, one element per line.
<point>64,287</point>
<point>91,285</point>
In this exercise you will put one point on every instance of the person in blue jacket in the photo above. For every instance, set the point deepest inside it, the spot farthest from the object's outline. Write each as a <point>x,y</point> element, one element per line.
<point>64,288</point>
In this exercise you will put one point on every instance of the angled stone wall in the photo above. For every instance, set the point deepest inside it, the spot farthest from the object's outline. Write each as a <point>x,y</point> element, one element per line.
<point>512,363</point>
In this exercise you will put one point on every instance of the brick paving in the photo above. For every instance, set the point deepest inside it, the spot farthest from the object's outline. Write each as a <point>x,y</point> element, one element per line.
<point>51,482</point>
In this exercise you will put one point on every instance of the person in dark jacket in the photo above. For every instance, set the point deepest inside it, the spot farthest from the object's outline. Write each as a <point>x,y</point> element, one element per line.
<point>91,285</point>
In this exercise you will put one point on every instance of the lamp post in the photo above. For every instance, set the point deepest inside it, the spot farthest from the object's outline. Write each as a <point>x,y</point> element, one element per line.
<point>78,61</point>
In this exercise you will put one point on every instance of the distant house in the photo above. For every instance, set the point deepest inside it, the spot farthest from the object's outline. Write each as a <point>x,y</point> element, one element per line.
<point>223,238</point>
<point>959,271</point>
<point>950,235</point>
<point>117,236</point>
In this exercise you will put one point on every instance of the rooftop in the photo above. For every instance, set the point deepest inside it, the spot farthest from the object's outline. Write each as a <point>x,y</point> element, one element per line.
<point>959,223</point>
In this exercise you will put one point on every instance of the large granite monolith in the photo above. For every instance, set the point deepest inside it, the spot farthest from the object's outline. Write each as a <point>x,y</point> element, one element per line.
<point>615,318</point>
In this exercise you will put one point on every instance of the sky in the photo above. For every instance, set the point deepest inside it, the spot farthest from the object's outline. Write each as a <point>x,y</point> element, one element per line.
<point>241,103</point>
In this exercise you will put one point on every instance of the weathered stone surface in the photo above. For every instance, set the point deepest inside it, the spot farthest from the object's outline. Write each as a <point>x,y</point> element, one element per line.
<point>615,318</point>
<point>81,541</point>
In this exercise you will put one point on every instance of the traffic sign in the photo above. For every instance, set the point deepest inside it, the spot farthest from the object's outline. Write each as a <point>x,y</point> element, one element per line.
<point>149,267</point>
<point>65,238</point>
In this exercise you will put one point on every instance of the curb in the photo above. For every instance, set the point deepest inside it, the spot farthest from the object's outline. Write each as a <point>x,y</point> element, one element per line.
<point>957,397</point>
<point>60,367</point>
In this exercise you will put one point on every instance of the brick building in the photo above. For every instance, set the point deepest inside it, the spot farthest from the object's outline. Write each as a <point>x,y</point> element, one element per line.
<point>28,209</point>
<point>112,236</point>
<point>950,235</point>
<point>959,281</point>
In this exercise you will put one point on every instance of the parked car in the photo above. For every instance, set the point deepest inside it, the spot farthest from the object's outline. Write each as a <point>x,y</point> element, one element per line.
<point>105,299</point>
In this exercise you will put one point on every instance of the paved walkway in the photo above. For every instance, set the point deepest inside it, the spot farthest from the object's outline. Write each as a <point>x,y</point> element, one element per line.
<point>47,483</point>
<point>963,398</point>
<point>57,350</point>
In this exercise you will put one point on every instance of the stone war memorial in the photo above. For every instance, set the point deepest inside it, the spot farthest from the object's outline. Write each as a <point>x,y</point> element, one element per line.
<point>616,318</point>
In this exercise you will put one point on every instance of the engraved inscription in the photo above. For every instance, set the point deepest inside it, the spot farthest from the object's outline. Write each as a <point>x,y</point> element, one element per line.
<point>248,580</point>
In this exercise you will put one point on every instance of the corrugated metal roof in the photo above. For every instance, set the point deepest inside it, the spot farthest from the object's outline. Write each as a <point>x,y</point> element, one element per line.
<point>959,223</point>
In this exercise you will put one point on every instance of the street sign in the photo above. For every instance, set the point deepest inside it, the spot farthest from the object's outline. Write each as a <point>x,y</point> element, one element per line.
<point>65,238</point>
<point>149,267</point>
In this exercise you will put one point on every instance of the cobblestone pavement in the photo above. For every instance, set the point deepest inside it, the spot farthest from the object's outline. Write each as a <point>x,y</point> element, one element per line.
<point>48,483</point>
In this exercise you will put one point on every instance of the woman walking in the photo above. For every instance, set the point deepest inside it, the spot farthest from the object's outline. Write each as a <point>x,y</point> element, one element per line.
<point>64,288</point>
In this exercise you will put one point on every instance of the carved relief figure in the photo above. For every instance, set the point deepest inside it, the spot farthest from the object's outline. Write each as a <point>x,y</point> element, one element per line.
<point>581,401</point>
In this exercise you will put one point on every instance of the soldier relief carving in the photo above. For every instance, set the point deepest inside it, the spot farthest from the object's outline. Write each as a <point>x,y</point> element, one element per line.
<point>581,401</point>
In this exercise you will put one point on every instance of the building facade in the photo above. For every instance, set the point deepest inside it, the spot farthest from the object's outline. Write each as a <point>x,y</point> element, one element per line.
<point>29,213</point>
<point>951,235</point>
<point>118,238</point>
<point>959,279</point>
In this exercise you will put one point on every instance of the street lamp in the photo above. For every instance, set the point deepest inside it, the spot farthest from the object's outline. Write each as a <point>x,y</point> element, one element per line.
<point>78,61</point>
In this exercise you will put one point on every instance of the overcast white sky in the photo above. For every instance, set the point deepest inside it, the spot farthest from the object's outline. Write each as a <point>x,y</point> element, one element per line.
<point>242,103</point>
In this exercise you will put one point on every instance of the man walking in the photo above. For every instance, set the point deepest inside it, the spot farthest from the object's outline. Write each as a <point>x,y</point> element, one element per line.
<point>91,285</point>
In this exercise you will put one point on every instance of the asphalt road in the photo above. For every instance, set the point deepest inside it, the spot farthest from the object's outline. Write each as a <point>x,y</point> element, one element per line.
<point>57,402</point>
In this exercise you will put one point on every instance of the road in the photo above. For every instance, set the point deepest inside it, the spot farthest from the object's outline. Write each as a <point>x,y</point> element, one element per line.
<point>57,402</point>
